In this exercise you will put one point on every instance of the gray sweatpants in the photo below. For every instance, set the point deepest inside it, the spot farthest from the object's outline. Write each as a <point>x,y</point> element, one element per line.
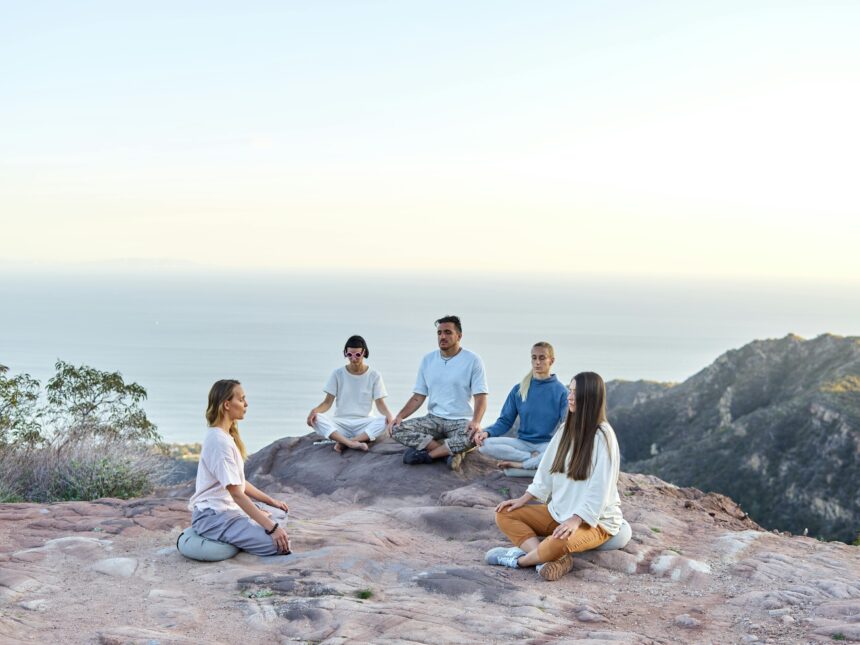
<point>418,432</point>
<point>234,527</point>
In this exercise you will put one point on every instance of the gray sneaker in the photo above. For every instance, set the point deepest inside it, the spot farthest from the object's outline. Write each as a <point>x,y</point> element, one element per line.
<point>504,556</point>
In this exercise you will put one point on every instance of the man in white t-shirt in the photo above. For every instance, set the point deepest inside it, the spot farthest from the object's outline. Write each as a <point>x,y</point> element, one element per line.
<point>449,378</point>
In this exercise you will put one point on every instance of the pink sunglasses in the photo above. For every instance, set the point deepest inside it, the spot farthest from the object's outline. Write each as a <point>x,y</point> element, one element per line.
<point>355,355</point>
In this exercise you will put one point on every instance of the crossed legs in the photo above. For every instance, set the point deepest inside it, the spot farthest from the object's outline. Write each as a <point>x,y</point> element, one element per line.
<point>524,525</point>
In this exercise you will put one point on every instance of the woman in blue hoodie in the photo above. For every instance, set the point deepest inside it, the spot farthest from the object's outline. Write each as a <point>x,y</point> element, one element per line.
<point>540,402</point>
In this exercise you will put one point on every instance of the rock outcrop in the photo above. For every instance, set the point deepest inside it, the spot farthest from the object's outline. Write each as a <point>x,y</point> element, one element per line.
<point>385,553</point>
<point>775,425</point>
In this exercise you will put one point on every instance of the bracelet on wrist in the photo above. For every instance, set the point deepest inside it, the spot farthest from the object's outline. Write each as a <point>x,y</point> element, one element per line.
<point>273,529</point>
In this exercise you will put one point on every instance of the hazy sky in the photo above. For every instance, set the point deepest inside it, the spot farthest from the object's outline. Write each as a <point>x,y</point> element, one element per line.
<point>683,138</point>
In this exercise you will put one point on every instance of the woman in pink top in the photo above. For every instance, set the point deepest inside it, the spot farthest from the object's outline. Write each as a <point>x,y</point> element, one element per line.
<point>222,506</point>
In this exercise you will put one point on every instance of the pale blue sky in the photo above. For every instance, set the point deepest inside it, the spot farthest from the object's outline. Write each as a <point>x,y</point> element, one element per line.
<point>670,138</point>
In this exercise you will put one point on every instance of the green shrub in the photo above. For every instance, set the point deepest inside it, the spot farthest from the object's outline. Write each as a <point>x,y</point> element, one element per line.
<point>92,439</point>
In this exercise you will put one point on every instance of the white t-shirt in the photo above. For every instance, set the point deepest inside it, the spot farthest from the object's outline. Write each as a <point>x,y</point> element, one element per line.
<point>596,499</point>
<point>450,383</point>
<point>220,466</point>
<point>354,394</point>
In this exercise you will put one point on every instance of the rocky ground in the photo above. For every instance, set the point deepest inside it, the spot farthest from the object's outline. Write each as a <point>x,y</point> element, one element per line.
<point>385,553</point>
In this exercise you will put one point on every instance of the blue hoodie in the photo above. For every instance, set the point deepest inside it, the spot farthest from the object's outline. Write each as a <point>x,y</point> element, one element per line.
<point>540,414</point>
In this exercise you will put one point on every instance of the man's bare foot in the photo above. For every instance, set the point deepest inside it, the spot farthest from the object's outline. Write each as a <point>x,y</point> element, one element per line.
<point>509,464</point>
<point>358,445</point>
<point>337,447</point>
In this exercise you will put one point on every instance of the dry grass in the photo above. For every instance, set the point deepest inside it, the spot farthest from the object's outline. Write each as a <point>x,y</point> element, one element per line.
<point>82,470</point>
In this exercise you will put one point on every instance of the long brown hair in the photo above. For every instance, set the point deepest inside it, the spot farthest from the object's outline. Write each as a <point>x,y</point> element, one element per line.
<point>219,394</point>
<point>581,427</point>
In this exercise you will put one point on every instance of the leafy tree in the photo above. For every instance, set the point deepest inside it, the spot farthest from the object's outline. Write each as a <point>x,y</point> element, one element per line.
<point>86,402</point>
<point>19,410</point>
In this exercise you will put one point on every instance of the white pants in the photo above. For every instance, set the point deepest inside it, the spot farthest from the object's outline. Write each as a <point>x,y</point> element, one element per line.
<point>348,427</point>
<point>511,449</point>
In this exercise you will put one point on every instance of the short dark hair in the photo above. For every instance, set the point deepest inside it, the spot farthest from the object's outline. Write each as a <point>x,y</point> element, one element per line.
<point>451,319</point>
<point>356,341</point>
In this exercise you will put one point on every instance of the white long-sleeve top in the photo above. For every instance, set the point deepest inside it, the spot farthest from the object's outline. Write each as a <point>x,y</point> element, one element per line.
<point>595,499</point>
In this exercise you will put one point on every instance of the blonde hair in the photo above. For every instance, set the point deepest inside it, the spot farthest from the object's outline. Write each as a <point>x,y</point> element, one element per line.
<point>219,394</point>
<point>526,383</point>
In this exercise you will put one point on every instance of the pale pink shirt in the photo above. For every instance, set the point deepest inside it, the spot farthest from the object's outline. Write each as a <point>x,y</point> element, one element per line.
<point>220,466</point>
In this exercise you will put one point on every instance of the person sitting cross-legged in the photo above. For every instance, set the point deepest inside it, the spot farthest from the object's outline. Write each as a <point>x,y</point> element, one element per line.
<point>579,471</point>
<point>354,388</point>
<point>449,378</point>
<point>540,403</point>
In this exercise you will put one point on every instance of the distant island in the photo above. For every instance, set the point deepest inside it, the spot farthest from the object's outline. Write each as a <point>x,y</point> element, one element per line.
<point>775,425</point>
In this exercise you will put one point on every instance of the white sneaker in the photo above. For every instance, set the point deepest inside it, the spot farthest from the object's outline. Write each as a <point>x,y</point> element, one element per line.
<point>504,556</point>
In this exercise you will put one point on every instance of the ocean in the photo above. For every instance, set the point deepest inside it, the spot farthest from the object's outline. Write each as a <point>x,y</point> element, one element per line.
<point>282,335</point>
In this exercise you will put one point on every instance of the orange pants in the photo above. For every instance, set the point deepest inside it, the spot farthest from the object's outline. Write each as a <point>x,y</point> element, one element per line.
<point>534,520</point>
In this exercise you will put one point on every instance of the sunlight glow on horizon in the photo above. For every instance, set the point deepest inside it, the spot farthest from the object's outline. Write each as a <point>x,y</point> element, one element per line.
<point>671,140</point>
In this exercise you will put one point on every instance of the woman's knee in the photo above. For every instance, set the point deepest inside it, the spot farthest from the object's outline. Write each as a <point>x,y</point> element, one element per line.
<point>585,540</point>
<point>505,520</point>
<point>508,518</point>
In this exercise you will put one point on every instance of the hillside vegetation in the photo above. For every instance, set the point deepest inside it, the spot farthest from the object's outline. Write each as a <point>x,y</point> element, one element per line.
<point>775,425</point>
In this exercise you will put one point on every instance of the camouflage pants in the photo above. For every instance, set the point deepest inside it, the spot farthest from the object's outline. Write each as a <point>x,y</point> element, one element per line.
<point>418,432</point>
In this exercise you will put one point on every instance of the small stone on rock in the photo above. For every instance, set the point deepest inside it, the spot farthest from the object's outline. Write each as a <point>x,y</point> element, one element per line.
<point>687,621</point>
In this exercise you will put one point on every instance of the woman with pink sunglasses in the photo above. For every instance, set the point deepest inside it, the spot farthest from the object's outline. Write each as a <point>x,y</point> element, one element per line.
<point>355,387</point>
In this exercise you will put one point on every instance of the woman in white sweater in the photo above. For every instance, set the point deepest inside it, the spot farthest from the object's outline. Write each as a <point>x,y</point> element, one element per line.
<point>579,474</point>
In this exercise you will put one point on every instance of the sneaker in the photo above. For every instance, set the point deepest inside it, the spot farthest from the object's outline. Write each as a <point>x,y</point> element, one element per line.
<point>455,461</point>
<point>556,569</point>
<point>504,556</point>
<point>413,456</point>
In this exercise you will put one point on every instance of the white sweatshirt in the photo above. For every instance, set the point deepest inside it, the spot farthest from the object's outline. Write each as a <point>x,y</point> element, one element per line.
<point>596,499</point>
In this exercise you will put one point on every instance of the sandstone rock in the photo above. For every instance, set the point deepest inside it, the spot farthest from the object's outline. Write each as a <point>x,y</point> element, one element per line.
<point>733,545</point>
<point>687,622</point>
<point>14,583</point>
<point>34,605</point>
<point>475,495</point>
<point>621,561</point>
<point>121,567</point>
<point>454,583</point>
<point>128,635</point>
<point>374,566</point>
<point>679,568</point>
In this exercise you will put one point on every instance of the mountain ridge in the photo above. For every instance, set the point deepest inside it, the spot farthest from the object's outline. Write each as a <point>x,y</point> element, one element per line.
<point>775,425</point>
